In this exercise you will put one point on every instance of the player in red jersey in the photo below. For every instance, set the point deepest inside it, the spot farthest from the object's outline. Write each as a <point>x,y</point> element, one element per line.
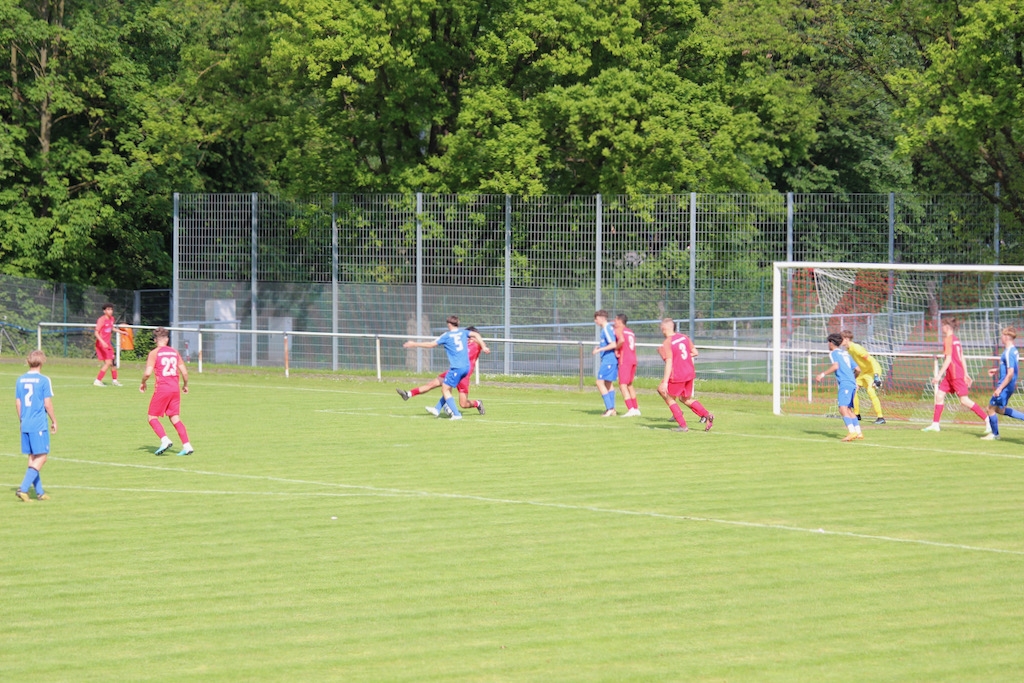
<point>626,352</point>
<point>104,348</point>
<point>953,377</point>
<point>678,353</point>
<point>166,400</point>
<point>474,348</point>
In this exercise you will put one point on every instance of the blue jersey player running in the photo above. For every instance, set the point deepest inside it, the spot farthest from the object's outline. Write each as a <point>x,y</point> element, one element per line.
<point>846,377</point>
<point>609,370</point>
<point>456,343</point>
<point>1009,366</point>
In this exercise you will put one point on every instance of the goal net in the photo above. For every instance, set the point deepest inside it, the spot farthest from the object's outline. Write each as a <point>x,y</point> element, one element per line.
<point>894,311</point>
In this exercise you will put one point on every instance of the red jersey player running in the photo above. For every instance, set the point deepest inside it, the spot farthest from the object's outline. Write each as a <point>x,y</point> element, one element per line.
<point>678,353</point>
<point>104,349</point>
<point>474,350</point>
<point>953,377</point>
<point>166,397</point>
<point>626,351</point>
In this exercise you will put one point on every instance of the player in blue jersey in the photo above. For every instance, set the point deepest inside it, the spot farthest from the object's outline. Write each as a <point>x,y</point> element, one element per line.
<point>456,344</point>
<point>846,378</point>
<point>1009,365</point>
<point>33,397</point>
<point>608,372</point>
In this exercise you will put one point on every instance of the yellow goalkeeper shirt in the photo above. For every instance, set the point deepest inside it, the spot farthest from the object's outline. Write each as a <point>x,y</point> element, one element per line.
<point>863,359</point>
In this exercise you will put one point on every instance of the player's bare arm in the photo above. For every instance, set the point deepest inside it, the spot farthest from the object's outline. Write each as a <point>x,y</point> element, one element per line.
<point>48,405</point>
<point>480,341</point>
<point>148,372</point>
<point>832,368</point>
<point>665,351</point>
<point>419,345</point>
<point>183,371</point>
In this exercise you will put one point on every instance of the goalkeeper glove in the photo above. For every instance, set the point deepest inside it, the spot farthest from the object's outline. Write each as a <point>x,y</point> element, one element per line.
<point>878,381</point>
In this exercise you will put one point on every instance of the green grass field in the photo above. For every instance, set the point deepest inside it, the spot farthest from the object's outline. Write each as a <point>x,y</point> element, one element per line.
<point>326,530</point>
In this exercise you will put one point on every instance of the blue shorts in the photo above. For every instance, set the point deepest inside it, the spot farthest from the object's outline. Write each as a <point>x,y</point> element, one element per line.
<point>455,376</point>
<point>35,443</point>
<point>1002,399</point>
<point>608,372</point>
<point>845,395</point>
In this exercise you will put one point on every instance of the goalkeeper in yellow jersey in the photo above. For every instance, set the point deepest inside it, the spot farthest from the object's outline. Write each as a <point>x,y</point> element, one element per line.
<point>869,377</point>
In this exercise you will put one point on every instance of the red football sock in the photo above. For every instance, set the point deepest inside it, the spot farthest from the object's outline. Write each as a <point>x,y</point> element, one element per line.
<point>113,373</point>
<point>938,413</point>
<point>100,376</point>
<point>180,426</point>
<point>677,413</point>
<point>415,392</point>
<point>979,412</point>
<point>699,409</point>
<point>158,428</point>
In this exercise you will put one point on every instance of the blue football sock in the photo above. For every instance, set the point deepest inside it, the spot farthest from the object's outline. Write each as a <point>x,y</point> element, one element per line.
<point>453,406</point>
<point>30,478</point>
<point>993,421</point>
<point>440,405</point>
<point>39,484</point>
<point>609,400</point>
<point>1015,414</point>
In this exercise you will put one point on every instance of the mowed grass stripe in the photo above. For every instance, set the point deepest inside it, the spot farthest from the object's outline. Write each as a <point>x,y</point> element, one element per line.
<point>159,586</point>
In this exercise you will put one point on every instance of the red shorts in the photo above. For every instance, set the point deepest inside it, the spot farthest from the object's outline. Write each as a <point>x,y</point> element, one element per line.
<point>463,385</point>
<point>165,403</point>
<point>627,373</point>
<point>104,353</point>
<point>682,389</point>
<point>954,386</point>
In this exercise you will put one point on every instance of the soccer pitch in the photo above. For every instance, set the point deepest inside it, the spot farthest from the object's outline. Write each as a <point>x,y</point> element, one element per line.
<point>326,530</point>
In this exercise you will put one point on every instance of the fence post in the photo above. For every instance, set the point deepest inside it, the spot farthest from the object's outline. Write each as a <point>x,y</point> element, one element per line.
<point>508,284</point>
<point>175,258</point>
<point>581,365</point>
<point>995,246</point>
<point>334,281</point>
<point>693,263</point>
<point>254,247</point>
<point>199,350</point>
<point>285,339</point>
<point>39,338</point>
<point>419,277</point>
<point>789,271</point>
<point>597,254</point>
<point>377,345</point>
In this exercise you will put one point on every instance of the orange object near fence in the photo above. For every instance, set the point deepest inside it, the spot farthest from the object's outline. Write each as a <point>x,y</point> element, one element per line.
<point>127,338</point>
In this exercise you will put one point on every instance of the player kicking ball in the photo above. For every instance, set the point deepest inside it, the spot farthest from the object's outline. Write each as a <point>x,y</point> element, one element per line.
<point>678,353</point>
<point>464,402</point>
<point>166,400</point>
<point>842,366</point>
<point>455,342</point>
<point>1009,364</point>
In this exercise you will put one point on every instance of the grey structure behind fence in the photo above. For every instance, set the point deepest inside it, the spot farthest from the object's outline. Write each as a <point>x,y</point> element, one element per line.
<point>529,267</point>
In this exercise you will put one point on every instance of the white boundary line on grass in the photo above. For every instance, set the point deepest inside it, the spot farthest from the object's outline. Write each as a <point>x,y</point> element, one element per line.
<point>394,492</point>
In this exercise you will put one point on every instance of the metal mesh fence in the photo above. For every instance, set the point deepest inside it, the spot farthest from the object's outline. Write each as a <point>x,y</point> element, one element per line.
<point>533,268</point>
<point>24,302</point>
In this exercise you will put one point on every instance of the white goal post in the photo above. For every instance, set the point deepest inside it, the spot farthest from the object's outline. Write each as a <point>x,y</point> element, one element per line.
<point>894,307</point>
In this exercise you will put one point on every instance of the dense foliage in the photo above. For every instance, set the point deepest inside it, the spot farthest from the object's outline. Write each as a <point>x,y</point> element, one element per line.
<point>108,107</point>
